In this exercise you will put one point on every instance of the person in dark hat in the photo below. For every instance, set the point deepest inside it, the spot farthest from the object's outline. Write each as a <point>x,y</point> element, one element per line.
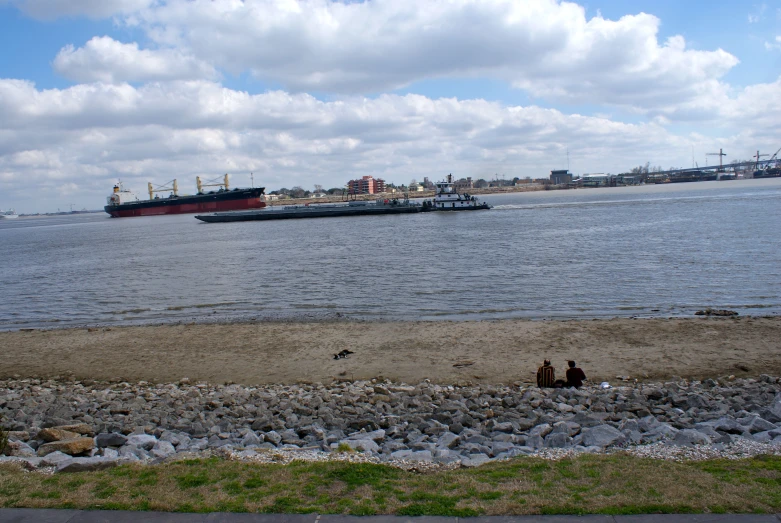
<point>575,375</point>
<point>546,375</point>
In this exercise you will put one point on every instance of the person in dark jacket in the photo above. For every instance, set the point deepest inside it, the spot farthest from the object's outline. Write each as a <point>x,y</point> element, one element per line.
<point>575,375</point>
<point>546,375</point>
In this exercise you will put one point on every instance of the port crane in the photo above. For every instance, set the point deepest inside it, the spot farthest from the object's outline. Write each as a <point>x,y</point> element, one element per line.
<point>720,154</point>
<point>775,154</point>
<point>758,156</point>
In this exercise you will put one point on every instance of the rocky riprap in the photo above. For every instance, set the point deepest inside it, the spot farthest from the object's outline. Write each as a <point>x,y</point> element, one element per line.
<point>72,425</point>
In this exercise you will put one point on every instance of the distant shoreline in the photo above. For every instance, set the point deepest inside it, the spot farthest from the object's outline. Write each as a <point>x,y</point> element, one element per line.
<point>501,351</point>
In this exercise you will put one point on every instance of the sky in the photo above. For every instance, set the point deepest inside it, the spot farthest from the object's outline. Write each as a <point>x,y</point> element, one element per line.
<point>305,92</point>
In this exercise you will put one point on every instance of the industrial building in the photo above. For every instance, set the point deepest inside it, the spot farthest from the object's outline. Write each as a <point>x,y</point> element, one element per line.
<point>561,177</point>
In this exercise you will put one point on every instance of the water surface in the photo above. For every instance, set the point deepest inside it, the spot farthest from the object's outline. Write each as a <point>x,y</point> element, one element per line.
<point>648,250</point>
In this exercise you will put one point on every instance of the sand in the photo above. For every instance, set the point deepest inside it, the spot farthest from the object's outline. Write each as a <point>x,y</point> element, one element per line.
<point>444,352</point>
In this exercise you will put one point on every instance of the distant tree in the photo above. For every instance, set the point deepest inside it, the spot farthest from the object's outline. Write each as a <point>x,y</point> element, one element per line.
<point>318,188</point>
<point>335,190</point>
<point>299,192</point>
<point>480,184</point>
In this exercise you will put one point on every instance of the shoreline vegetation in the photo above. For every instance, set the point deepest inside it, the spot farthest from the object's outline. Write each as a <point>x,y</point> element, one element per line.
<point>591,484</point>
<point>501,351</point>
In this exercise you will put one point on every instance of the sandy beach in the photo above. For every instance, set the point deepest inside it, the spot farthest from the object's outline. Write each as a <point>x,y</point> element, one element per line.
<point>444,352</point>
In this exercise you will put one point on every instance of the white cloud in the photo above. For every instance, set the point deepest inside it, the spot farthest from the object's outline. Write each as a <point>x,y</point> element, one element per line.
<point>96,9</point>
<point>775,45</point>
<point>91,134</point>
<point>548,48</point>
<point>106,60</point>
<point>757,15</point>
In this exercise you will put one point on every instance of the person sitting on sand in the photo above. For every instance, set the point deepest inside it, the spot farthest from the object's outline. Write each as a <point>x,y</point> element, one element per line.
<point>575,375</point>
<point>546,375</point>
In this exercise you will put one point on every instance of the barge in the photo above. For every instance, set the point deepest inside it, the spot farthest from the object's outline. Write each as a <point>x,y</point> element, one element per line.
<point>290,212</point>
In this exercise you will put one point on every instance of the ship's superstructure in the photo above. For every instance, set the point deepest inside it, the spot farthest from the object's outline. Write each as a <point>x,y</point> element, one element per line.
<point>8,215</point>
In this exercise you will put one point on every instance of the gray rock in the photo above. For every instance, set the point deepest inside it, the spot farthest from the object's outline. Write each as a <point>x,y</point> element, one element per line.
<point>376,435</point>
<point>535,442</point>
<point>691,437</point>
<point>251,439</point>
<point>759,425</point>
<point>541,430</point>
<point>503,427</point>
<point>86,464</point>
<point>272,437</point>
<point>602,436</point>
<point>163,449</point>
<point>19,449</point>
<point>558,440</point>
<point>110,440</point>
<point>51,460</point>
<point>448,439</point>
<point>474,460</point>
<point>143,441</point>
<point>363,445</point>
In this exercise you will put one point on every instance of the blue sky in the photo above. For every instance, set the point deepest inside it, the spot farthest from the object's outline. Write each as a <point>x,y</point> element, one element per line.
<point>314,91</point>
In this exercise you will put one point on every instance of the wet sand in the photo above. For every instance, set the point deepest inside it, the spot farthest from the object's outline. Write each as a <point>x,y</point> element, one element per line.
<point>444,352</point>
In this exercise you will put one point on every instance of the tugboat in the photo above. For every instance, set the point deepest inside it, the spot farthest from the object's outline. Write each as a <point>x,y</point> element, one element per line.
<point>447,198</point>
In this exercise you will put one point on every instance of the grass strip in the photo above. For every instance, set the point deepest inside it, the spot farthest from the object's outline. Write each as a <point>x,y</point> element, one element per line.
<point>589,484</point>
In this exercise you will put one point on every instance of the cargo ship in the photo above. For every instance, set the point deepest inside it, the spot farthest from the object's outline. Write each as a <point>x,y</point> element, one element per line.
<point>124,203</point>
<point>290,212</point>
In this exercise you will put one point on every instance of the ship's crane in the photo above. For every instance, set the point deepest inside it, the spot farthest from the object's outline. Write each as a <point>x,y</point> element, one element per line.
<point>161,188</point>
<point>775,154</point>
<point>720,154</point>
<point>212,183</point>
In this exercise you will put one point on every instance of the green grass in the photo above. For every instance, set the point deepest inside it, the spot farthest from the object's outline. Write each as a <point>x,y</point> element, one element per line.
<point>616,485</point>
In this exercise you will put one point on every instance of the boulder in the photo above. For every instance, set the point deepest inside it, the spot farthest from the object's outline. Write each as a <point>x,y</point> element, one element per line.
<point>144,441</point>
<point>448,439</point>
<point>56,434</point>
<point>474,460</point>
<point>541,430</point>
<point>163,449</point>
<point>602,436</point>
<point>376,435</point>
<point>19,449</point>
<point>51,460</point>
<point>71,447</point>
<point>86,464</point>
<point>558,440</point>
<point>363,445</point>
<point>690,437</point>
<point>78,428</point>
<point>759,425</point>
<point>111,439</point>
<point>273,437</point>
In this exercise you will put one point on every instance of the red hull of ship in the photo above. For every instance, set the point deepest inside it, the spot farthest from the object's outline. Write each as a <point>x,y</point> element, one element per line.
<point>228,205</point>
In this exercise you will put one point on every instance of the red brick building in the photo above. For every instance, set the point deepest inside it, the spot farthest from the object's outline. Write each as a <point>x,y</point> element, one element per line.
<point>366,185</point>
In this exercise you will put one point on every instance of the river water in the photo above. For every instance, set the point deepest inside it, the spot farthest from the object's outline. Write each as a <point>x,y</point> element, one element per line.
<point>627,251</point>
